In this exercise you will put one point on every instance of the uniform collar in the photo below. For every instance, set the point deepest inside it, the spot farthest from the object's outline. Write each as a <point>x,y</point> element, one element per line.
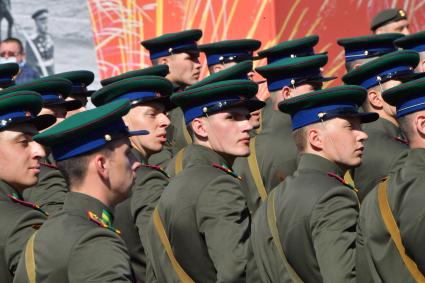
<point>82,203</point>
<point>201,155</point>
<point>5,190</point>
<point>318,163</point>
<point>142,159</point>
<point>383,125</point>
<point>415,159</point>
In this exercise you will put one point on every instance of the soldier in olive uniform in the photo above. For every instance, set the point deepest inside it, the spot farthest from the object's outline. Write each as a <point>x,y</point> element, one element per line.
<point>50,191</point>
<point>306,230</point>
<point>415,42</point>
<point>201,226</point>
<point>40,51</point>
<point>180,52</point>
<point>149,96</point>
<point>79,243</point>
<point>385,140</point>
<point>273,152</point>
<point>299,47</point>
<point>362,49</point>
<point>391,227</point>
<point>19,168</point>
<point>390,20</point>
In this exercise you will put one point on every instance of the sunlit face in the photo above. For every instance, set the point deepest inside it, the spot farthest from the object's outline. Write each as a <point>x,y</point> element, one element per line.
<point>255,119</point>
<point>342,141</point>
<point>56,110</point>
<point>11,49</point>
<point>122,170</point>
<point>401,26</point>
<point>184,68</point>
<point>152,117</point>
<point>228,131</point>
<point>389,109</point>
<point>19,156</point>
<point>82,99</point>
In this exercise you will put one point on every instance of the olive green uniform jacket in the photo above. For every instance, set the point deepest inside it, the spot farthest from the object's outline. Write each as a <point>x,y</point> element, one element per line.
<point>176,139</point>
<point>276,155</point>
<point>378,260</point>
<point>51,189</point>
<point>316,215</point>
<point>18,222</point>
<point>74,247</point>
<point>205,216</point>
<point>380,151</point>
<point>132,215</point>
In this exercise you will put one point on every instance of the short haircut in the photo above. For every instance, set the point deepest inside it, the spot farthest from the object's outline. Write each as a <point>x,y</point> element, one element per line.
<point>17,41</point>
<point>300,138</point>
<point>155,61</point>
<point>405,125</point>
<point>74,169</point>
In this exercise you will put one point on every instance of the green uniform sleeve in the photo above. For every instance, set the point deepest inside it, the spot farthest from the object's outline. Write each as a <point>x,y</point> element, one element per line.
<point>363,272</point>
<point>99,256</point>
<point>148,188</point>
<point>223,218</point>
<point>21,231</point>
<point>50,191</point>
<point>333,226</point>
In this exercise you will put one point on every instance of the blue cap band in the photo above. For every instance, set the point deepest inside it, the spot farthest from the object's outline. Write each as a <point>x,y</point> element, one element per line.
<point>51,97</point>
<point>410,106</point>
<point>419,48</point>
<point>278,82</point>
<point>308,51</point>
<point>310,116</point>
<point>137,95</point>
<point>191,45</point>
<point>220,58</point>
<point>78,88</point>
<point>355,54</point>
<point>212,105</point>
<point>7,118</point>
<point>93,140</point>
<point>386,75</point>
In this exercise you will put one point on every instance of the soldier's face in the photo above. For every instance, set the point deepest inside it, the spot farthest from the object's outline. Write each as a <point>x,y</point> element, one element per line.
<point>255,119</point>
<point>122,170</point>
<point>401,26</point>
<point>19,156</point>
<point>58,111</point>
<point>42,25</point>
<point>184,68</point>
<point>228,131</point>
<point>82,99</point>
<point>152,117</point>
<point>342,141</point>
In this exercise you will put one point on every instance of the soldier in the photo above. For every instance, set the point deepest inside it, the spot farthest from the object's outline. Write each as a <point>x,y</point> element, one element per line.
<point>391,228</point>
<point>180,52</point>
<point>149,96</point>
<point>50,191</point>
<point>40,51</point>
<point>19,168</point>
<point>79,243</point>
<point>385,138</point>
<point>80,80</point>
<point>390,20</point>
<point>305,232</point>
<point>200,229</point>
<point>239,71</point>
<point>227,53</point>
<point>362,49</point>
<point>415,42</point>
<point>273,152</point>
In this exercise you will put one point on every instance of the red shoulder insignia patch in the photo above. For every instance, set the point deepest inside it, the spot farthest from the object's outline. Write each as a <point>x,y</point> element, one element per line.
<point>156,168</point>
<point>27,204</point>
<point>99,221</point>
<point>401,140</point>
<point>227,170</point>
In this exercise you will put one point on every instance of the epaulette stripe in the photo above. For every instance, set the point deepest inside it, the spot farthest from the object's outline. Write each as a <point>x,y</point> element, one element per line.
<point>340,179</point>
<point>228,171</point>
<point>156,168</point>
<point>49,165</point>
<point>94,218</point>
<point>27,204</point>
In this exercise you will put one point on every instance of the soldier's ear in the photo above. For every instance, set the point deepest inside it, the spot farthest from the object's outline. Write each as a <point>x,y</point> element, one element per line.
<point>100,163</point>
<point>199,128</point>
<point>285,93</point>
<point>217,68</point>
<point>314,138</point>
<point>375,99</point>
<point>420,123</point>
<point>163,60</point>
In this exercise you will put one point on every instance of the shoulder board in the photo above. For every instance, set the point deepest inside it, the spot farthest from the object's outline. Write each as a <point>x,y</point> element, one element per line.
<point>227,170</point>
<point>96,219</point>
<point>401,140</point>
<point>27,204</point>
<point>48,165</point>
<point>156,168</point>
<point>342,181</point>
